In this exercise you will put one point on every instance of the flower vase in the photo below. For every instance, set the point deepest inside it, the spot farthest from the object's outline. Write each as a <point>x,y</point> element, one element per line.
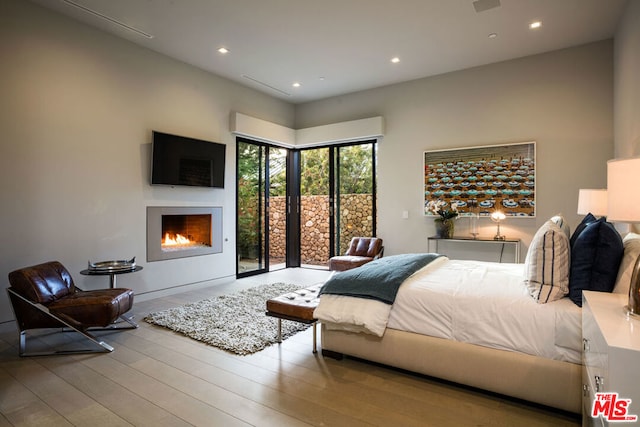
<point>444,228</point>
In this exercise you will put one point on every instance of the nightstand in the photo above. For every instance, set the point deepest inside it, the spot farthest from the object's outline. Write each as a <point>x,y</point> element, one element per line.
<point>610,355</point>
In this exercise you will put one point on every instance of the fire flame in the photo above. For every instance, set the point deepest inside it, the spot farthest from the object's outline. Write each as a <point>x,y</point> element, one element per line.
<point>179,240</point>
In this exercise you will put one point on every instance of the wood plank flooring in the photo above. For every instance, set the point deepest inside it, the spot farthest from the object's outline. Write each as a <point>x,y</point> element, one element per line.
<point>158,378</point>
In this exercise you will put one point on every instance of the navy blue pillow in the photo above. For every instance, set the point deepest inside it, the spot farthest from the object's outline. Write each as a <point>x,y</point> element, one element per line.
<point>586,220</point>
<point>595,258</point>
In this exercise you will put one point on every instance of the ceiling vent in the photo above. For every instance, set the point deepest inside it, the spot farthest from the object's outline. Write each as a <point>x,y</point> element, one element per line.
<point>108,18</point>
<point>265,85</point>
<point>482,5</point>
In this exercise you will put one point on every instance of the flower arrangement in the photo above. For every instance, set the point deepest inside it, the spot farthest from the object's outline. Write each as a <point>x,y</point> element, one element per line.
<point>442,209</point>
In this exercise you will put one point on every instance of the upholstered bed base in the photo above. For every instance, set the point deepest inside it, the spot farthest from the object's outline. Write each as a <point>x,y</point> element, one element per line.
<point>548,382</point>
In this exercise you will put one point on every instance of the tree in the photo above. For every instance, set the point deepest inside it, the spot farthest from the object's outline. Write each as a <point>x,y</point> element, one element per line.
<point>314,171</point>
<point>354,172</point>
<point>355,169</point>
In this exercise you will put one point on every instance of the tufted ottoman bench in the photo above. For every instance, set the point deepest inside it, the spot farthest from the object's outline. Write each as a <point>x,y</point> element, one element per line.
<point>297,306</point>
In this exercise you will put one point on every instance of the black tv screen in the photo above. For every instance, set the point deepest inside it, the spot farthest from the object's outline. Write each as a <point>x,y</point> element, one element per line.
<point>178,160</point>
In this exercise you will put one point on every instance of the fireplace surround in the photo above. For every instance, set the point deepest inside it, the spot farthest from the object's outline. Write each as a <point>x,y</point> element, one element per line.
<point>179,232</point>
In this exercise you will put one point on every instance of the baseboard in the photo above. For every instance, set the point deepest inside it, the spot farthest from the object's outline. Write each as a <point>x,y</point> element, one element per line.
<point>145,296</point>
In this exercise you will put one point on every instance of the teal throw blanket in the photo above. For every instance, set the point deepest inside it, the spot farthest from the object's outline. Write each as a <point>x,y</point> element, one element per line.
<point>379,279</point>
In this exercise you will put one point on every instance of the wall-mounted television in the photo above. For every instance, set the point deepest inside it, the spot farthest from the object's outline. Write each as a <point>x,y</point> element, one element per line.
<point>178,160</point>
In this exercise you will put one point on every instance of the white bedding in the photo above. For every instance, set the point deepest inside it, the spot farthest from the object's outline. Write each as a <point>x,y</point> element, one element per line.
<point>483,303</point>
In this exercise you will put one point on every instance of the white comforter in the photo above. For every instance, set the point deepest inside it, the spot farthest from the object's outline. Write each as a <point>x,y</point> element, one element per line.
<point>477,302</point>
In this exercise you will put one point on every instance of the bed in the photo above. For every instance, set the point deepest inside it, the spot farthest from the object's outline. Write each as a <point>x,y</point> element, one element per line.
<point>476,323</point>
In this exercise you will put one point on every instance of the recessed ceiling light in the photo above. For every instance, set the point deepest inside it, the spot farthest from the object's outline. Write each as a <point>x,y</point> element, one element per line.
<point>493,35</point>
<point>223,50</point>
<point>535,25</point>
<point>395,59</point>
<point>296,84</point>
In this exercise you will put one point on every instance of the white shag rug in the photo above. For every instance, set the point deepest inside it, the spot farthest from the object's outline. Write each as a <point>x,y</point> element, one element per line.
<point>235,322</point>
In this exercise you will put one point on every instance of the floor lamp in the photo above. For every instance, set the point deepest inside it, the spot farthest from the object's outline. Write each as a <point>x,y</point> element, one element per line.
<point>623,194</point>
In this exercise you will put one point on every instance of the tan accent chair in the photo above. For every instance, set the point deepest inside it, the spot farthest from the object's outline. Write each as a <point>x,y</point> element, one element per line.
<point>361,251</point>
<point>44,296</point>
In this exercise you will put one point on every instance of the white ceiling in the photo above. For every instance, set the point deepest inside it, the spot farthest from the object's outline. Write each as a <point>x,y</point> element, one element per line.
<point>333,47</point>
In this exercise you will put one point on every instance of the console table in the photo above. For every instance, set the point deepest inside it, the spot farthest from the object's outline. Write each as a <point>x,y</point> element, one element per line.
<point>434,241</point>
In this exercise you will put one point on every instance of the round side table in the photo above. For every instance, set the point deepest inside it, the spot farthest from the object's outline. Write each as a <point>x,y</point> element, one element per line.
<point>111,273</point>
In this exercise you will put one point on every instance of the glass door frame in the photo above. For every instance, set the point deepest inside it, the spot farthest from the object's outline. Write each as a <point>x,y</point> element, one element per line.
<point>263,205</point>
<point>262,230</point>
<point>333,190</point>
<point>293,201</point>
<point>335,193</point>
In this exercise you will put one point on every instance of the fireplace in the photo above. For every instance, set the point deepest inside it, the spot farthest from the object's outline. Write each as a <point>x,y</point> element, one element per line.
<point>178,232</point>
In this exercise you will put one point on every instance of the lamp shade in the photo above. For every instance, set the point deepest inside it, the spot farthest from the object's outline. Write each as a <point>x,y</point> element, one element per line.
<point>623,192</point>
<point>498,216</point>
<point>592,201</point>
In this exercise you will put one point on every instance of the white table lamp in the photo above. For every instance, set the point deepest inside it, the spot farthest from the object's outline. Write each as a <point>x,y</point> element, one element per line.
<point>623,177</point>
<point>592,201</point>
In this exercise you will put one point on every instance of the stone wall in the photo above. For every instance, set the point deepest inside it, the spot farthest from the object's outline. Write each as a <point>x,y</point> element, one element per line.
<point>356,219</point>
<point>277,228</point>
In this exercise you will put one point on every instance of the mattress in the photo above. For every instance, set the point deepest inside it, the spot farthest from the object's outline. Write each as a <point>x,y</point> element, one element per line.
<point>486,303</point>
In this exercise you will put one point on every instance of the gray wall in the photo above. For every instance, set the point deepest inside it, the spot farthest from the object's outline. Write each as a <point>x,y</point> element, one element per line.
<point>78,107</point>
<point>563,100</point>
<point>627,83</point>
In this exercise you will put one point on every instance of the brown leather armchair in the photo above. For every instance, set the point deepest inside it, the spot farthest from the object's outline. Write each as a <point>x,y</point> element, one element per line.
<point>44,296</point>
<point>361,251</point>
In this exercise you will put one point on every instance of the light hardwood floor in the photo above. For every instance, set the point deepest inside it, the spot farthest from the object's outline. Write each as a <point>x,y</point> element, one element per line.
<point>156,377</point>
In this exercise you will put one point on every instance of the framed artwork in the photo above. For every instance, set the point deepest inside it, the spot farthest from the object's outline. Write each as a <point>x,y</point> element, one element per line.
<point>484,179</point>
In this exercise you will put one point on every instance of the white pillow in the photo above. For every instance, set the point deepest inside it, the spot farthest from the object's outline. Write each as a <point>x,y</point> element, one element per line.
<point>546,271</point>
<point>562,223</point>
<point>631,253</point>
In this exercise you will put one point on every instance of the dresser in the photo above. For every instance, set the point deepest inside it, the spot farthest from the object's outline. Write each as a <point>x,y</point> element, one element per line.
<point>610,359</point>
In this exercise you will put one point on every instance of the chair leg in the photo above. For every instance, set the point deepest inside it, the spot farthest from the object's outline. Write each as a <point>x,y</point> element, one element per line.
<point>22,343</point>
<point>279,330</point>
<point>129,320</point>
<point>114,325</point>
<point>315,333</point>
<point>101,346</point>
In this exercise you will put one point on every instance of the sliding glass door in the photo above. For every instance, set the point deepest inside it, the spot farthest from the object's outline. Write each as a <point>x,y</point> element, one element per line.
<point>355,193</point>
<point>301,207</point>
<point>277,207</point>
<point>251,184</point>
<point>261,209</point>
<point>316,207</point>
<point>338,200</point>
